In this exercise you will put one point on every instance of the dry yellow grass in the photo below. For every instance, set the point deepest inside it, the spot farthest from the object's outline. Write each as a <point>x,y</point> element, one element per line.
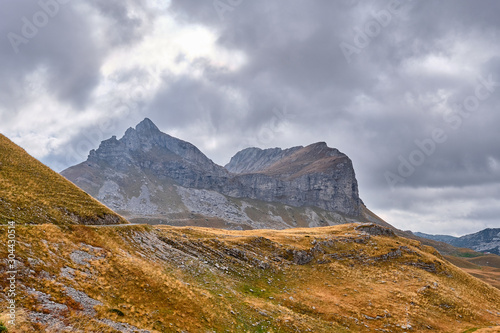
<point>487,274</point>
<point>31,193</point>
<point>168,279</point>
<point>485,268</point>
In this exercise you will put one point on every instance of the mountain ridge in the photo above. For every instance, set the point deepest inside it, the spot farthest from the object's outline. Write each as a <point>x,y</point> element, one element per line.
<point>148,174</point>
<point>486,240</point>
<point>254,159</point>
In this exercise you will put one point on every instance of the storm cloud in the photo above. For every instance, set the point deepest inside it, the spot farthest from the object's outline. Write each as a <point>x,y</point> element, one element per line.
<point>408,89</point>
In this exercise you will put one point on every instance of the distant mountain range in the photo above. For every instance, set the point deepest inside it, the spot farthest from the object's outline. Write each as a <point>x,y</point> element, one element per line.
<point>151,177</point>
<point>487,240</point>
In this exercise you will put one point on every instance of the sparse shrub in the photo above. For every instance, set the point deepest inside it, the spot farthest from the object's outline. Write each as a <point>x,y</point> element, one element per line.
<point>118,312</point>
<point>3,329</point>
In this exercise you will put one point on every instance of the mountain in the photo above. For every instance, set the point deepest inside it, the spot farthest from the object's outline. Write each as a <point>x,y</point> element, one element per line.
<point>315,175</point>
<point>31,193</point>
<point>150,279</point>
<point>487,240</point>
<point>72,277</point>
<point>440,238</point>
<point>151,177</point>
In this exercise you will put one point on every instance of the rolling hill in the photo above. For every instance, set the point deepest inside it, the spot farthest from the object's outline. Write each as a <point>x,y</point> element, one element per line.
<point>31,193</point>
<point>139,278</point>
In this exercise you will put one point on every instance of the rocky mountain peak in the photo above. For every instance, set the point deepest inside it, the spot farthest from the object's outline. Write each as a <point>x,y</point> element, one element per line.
<point>147,127</point>
<point>487,240</point>
<point>320,144</point>
<point>292,162</point>
<point>311,176</point>
<point>144,136</point>
<point>322,149</point>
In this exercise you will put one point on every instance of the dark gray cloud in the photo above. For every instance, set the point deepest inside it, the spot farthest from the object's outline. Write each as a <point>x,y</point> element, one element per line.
<point>396,90</point>
<point>60,46</point>
<point>376,79</point>
<point>129,21</point>
<point>56,37</point>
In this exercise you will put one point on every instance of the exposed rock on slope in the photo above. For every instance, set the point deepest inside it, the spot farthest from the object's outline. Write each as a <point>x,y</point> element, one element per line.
<point>31,193</point>
<point>149,176</point>
<point>348,278</point>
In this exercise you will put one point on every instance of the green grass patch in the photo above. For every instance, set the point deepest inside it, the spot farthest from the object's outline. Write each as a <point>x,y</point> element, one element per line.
<point>470,330</point>
<point>468,254</point>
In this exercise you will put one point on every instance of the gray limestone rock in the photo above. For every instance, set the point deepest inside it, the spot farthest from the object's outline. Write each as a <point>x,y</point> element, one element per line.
<point>133,175</point>
<point>254,159</point>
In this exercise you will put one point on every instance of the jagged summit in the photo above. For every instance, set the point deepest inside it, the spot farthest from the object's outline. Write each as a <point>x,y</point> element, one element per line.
<point>147,145</point>
<point>133,175</point>
<point>146,130</point>
<point>147,126</point>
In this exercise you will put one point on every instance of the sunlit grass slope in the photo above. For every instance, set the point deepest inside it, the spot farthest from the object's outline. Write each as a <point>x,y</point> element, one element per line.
<point>31,193</point>
<point>346,278</point>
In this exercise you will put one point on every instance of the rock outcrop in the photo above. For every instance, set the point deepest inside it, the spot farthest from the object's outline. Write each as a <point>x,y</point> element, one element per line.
<point>145,148</point>
<point>148,174</point>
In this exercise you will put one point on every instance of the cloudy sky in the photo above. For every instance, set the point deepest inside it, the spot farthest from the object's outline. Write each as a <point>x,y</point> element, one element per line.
<point>407,89</point>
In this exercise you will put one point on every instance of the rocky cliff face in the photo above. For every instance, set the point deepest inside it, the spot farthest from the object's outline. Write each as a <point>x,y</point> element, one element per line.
<point>315,175</point>
<point>146,148</point>
<point>148,174</point>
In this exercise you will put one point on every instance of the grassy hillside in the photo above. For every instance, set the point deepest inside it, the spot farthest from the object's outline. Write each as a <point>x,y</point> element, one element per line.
<point>484,267</point>
<point>346,278</point>
<point>31,193</point>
